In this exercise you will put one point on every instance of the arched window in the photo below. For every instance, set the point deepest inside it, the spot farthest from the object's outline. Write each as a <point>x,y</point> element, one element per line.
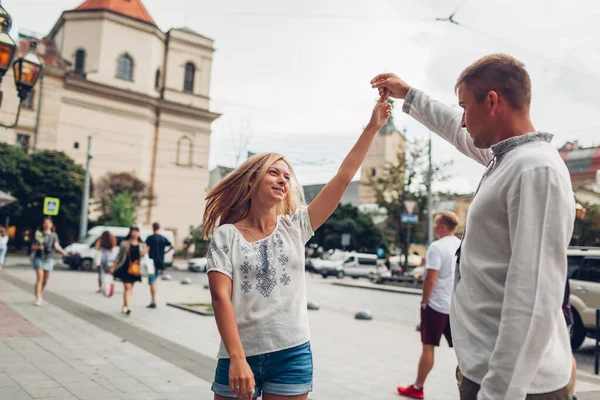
<point>80,61</point>
<point>157,79</point>
<point>184,151</point>
<point>188,82</point>
<point>125,67</point>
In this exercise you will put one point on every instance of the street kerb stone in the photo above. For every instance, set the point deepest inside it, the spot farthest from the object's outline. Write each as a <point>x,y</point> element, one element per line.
<point>193,308</point>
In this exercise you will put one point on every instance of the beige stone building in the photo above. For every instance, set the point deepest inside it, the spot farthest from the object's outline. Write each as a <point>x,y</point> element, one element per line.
<point>141,93</point>
<point>385,148</point>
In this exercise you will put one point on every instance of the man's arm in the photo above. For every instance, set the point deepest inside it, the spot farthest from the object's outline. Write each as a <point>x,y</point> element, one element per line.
<point>433,263</point>
<point>541,213</point>
<point>438,117</point>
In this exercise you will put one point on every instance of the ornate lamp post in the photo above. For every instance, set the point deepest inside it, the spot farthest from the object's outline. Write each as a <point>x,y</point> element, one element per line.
<point>27,70</point>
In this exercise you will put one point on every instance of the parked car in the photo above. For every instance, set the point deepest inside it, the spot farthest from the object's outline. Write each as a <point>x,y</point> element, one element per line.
<point>415,275</point>
<point>362,265</point>
<point>333,265</point>
<point>583,265</point>
<point>198,264</point>
<point>80,255</point>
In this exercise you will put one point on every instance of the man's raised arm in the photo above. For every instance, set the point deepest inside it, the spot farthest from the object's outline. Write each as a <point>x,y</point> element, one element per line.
<point>436,116</point>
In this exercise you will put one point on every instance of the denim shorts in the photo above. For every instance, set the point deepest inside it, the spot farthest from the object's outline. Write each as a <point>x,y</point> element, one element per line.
<point>46,265</point>
<point>286,372</point>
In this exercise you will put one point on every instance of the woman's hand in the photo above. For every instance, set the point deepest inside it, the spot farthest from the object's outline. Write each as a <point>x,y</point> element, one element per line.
<point>112,269</point>
<point>241,378</point>
<point>381,113</point>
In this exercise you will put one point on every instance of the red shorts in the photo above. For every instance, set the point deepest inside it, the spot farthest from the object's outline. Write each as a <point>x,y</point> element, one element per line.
<point>433,325</point>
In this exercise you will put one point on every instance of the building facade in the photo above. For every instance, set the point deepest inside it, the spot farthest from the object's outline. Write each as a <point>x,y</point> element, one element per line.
<point>141,94</point>
<point>388,142</point>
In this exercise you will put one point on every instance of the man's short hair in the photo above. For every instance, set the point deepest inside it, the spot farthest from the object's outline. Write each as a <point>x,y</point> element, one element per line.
<point>155,226</point>
<point>449,219</point>
<point>501,73</point>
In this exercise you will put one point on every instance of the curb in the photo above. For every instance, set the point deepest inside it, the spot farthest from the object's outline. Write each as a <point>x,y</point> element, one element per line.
<point>381,288</point>
<point>190,309</point>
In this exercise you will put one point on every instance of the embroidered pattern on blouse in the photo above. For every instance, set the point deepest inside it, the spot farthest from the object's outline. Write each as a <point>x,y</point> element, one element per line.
<point>266,275</point>
<point>500,149</point>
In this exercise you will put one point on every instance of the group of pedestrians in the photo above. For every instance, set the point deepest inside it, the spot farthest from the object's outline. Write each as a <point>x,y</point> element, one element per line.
<point>501,299</point>
<point>124,262</point>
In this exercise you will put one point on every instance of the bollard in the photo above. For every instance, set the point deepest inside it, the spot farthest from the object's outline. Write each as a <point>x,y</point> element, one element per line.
<point>312,306</point>
<point>597,360</point>
<point>364,315</point>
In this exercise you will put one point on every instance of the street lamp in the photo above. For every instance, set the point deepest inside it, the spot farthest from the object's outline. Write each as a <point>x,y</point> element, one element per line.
<point>7,45</point>
<point>27,69</point>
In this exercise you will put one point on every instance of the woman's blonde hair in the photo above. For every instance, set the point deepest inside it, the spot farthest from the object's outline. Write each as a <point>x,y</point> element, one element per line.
<point>229,201</point>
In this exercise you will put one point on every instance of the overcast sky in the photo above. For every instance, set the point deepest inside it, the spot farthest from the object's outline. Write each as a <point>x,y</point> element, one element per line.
<point>296,73</point>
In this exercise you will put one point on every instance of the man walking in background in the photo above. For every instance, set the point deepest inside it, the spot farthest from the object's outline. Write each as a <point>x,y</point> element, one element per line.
<point>437,293</point>
<point>158,245</point>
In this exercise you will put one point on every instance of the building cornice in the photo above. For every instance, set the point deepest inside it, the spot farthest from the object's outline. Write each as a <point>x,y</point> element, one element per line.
<point>76,83</point>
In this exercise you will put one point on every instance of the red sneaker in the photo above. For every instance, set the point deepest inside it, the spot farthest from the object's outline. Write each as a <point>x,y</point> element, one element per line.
<point>411,392</point>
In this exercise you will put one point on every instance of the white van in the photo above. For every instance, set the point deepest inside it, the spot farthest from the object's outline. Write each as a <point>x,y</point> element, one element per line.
<point>80,255</point>
<point>363,265</point>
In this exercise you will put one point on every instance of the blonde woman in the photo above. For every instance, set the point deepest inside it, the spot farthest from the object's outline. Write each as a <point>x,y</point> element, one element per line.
<point>256,270</point>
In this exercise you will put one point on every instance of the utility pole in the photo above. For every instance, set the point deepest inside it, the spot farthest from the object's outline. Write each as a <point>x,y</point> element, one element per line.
<point>86,193</point>
<point>429,197</point>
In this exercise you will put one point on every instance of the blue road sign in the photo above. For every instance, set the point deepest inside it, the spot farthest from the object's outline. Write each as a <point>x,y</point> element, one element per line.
<point>409,219</point>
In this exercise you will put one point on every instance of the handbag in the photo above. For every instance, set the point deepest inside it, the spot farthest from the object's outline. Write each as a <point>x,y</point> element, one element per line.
<point>134,267</point>
<point>108,285</point>
<point>147,266</point>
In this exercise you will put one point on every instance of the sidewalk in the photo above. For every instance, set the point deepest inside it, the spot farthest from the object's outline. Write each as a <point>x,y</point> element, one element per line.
<point>47,353</point>
<point>87,336</point>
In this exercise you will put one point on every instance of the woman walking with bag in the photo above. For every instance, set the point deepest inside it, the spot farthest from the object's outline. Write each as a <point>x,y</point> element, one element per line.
<point>104,246</point>
<point>127,267</point>
<point>256,271</point>
<point>44,247</point>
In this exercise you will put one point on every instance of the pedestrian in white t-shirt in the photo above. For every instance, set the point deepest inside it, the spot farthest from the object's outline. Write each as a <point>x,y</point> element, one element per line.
<point>437,294</point>
<point>256,270</point>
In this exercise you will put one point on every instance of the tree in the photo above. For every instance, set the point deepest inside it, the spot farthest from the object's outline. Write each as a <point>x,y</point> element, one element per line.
<point>113,183</point>
<point>406,180</point>
<point>195,238</point>
<point>364,235</point>
<point>30,178</point>
<point>587,230</point>
<point>123,210</point>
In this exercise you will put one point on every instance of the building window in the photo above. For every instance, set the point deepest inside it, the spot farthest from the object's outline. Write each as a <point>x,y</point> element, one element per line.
<point>28,102</point>
<point>188,83</point>
<point>125,68</point>
<point>157,79</point>
<point>373,172</point>
<point>23,142</point>
<point>80,61</point>
<point>184,151</point>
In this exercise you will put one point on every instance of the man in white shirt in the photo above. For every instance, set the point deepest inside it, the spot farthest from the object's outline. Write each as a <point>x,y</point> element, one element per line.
<point>509,334</point>
<point>437,293</point>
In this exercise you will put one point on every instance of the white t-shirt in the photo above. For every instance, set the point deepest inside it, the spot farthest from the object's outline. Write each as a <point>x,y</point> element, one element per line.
<point>441,257</point>
<point>269,288</point>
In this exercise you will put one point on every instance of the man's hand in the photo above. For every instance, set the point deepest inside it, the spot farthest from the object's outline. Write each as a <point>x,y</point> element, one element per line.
<point>389,85</point>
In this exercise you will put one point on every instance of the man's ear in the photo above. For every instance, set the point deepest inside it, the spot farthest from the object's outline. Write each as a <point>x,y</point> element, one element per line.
<point>492,100</point>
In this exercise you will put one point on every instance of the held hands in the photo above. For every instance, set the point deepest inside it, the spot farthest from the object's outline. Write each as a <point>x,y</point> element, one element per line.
<point>381,113</point>
<point>241,379</point>
<point>389,85</point>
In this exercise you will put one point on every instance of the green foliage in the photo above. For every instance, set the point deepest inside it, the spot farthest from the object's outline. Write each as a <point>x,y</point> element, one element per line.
<point>114,183</point>
<point>587,231</point>
<point>123,210</point>
<point>30,178</point>
<point>365,236</point>
<point>406,179</point>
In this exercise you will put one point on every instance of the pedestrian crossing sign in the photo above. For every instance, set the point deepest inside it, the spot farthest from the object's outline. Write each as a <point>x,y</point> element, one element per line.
<point>51,205</point>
